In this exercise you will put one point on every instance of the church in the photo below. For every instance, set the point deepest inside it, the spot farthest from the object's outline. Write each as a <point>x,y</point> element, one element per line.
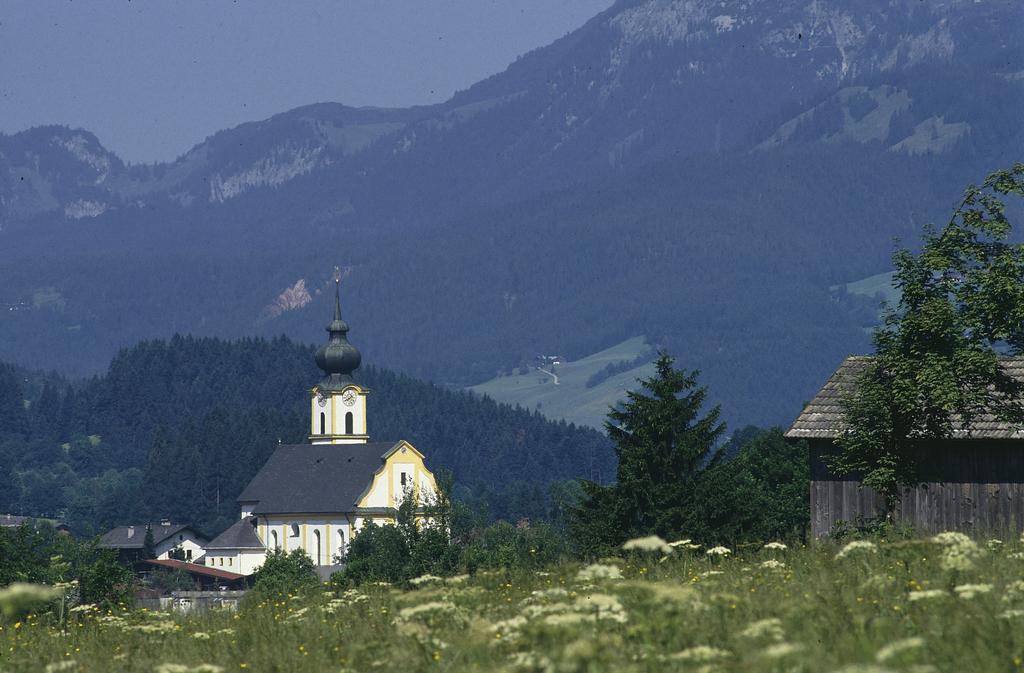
<point>317,496</point>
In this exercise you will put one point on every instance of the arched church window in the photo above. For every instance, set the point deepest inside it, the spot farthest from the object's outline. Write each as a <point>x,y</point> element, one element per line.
<point>319,556</point>
<point>273,539</point>
<point>341,543</point>
<point>323,423</point>
<point>348,423</point>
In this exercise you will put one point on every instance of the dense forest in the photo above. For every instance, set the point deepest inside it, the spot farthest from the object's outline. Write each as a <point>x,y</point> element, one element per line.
<point>176,429</point>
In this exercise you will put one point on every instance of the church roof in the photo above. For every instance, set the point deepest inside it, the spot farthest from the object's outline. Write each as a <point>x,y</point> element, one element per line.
<point>240,535</point>
<point>823,417</point>
<point>313,478</point>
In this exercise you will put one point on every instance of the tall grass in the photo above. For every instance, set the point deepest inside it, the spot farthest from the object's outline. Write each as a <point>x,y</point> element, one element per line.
<point>915,605</point>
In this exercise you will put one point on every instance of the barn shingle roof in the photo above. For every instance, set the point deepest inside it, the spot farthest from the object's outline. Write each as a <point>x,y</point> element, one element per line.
<point>240,535</point>
<point>822,418</point>
<point>312,478</point>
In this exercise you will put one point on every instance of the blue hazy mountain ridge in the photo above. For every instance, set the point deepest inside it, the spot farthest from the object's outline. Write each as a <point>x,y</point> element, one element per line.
<point>702,174</point>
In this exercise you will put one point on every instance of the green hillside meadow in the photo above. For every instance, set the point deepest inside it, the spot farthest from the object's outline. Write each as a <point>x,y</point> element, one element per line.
<point>571,400</point>
<point>941,604</point>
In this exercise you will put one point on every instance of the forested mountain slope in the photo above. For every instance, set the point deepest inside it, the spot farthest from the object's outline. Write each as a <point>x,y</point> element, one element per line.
<point>700,173</point>
<point>177,428</point>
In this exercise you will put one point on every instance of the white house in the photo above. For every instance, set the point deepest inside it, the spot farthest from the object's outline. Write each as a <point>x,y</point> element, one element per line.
<point>316,496</point>
<point>130,540</point>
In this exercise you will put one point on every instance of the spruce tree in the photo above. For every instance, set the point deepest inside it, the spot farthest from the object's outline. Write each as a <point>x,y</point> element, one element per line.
<point>148,544</point>
<point>662,441</point>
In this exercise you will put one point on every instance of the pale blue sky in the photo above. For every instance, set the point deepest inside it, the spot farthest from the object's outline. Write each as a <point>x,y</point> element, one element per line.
<point>153,77</point>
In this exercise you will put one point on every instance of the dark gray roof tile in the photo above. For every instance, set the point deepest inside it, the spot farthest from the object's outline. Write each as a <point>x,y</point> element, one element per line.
<point>240,535</point>
<point>314,478</point>
<point>119,537</point>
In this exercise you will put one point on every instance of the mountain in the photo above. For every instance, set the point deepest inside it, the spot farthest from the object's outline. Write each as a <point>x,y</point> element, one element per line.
<point>704,174</point>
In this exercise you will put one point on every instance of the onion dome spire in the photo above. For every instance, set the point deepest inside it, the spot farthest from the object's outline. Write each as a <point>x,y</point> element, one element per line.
<point>338,358</point>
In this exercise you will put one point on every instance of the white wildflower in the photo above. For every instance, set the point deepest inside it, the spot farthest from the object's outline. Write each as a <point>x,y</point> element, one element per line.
<point>599,571</point>
<point>66,665</point>
<point>297,615</point>
<point>779,650</point>
<point>426,609</point>
<point>530,661</point>
<point>701,654</point>
<point>201,635</point>
<point>772,564</point>
<point>958,550</point>
<point>84,607</point>
<point>508,629</point>
<point>994,544</point>
<point>719,551</point>
<point>651,543</point>
<point>554,593</point>
<point>1014,590</point>
<point>777,546</point>
<point>425,579</point>
<point>764,629</point>
<point>927,594</point>
<point>568,619</point>
<point>172,668</point>
<point>602,606</point>
<point>711,573</point>
<point>456,579</point>
<point>22,597</point>
<point>684,544</point>
<point>972,590</point>
<point>1011,614</point>
<point>898,647</point>
<point>857,547</point>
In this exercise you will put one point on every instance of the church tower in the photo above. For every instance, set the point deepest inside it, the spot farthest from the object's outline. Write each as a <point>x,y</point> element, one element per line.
<point>338,403</point>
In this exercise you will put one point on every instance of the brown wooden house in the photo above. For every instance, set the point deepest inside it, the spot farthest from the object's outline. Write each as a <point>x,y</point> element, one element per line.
<point>973,481</point>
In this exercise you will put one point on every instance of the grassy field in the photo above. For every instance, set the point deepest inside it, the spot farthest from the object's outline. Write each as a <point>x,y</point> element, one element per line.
<point>915,606</point>
<point>570,399</point>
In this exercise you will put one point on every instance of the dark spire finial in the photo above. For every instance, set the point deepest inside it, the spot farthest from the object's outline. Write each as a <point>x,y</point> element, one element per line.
<point>338,358</point>
<point>337,294</point>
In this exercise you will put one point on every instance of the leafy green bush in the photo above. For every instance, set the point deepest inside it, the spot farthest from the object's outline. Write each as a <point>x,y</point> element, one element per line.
<point>376,554</point>
<point>285,573</point>
<point>503,545</point>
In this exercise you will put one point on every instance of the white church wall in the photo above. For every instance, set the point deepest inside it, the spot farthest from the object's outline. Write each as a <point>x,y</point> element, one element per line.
<point>378,495</point>
<point>250,561</point>
<point>304,532</point>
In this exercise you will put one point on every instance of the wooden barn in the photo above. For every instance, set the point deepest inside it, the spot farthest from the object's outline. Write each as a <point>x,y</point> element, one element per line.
<point>970,482</point>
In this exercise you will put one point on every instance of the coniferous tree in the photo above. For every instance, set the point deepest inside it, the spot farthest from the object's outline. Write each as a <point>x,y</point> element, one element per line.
<point>148,544</point>
<point>662,440</point>
<point>13,419</point>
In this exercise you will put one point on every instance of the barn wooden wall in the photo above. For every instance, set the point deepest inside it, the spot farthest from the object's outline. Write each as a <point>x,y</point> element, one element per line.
<point>971,486</point>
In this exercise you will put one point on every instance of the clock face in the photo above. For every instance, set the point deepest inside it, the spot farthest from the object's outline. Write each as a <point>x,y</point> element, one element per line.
<point>321,400</point>
<point>349,397</point>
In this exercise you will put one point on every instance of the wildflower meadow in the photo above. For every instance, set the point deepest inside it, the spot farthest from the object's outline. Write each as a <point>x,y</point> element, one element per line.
<point>945,603</point>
